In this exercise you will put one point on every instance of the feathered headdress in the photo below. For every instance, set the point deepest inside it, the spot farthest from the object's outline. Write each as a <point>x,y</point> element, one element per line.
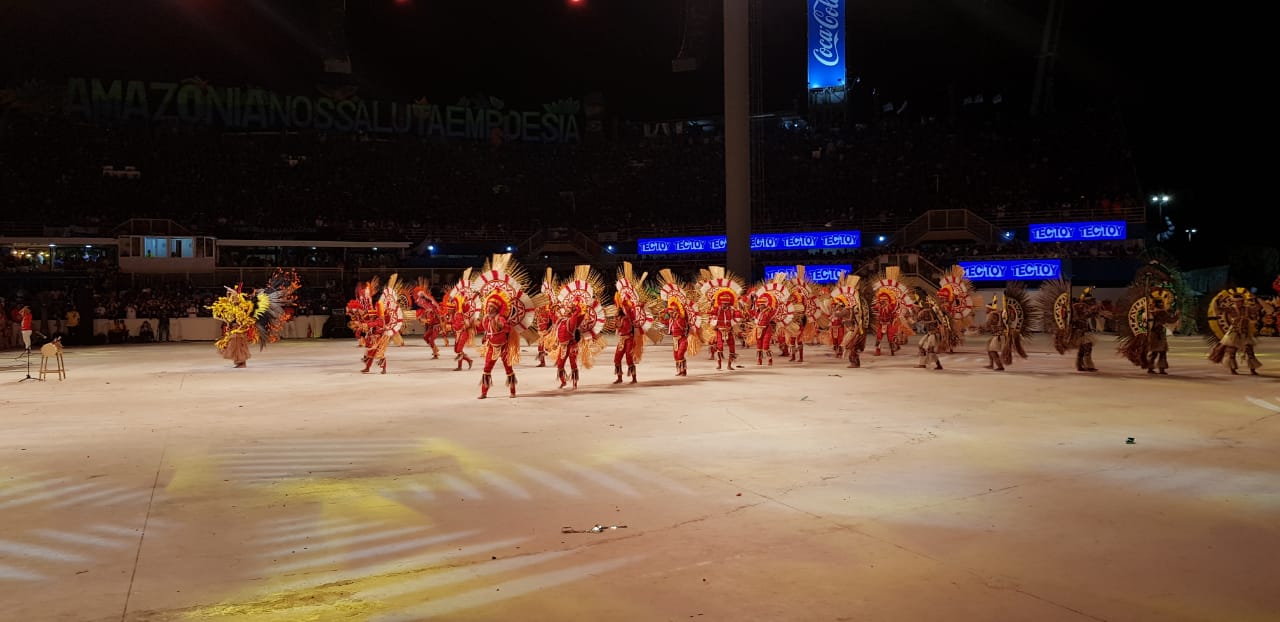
<point>394,294</point>
<point>629,288</point>
<point>631,293</point>
<point>582,294</point>
<point>420,295</point>
<point>261,314</point>
<point>956,290</point>
<point>1054,301</point>
<point>775,294</point>
<point>277,303</point>
<point>849,292</point>
<point>719,286</point>
<point>503,282</point>
<point>1221,301</point>
<point>890,288</point>
<point>549,284</point>
<point>672,292</point>
<point>459,298</point>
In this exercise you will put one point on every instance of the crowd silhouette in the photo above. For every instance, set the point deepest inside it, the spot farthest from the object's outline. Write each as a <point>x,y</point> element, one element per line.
<point>873,177</point>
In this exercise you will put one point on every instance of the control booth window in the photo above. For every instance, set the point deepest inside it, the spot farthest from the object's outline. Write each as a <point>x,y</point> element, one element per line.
<point>182,247</point>
<point>155,247</point>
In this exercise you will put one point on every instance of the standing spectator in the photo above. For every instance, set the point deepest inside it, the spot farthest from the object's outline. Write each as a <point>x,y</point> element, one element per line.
<point>24,324</point>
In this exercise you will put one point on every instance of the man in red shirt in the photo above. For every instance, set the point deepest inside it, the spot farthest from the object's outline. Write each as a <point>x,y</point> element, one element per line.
<point>24,322</point>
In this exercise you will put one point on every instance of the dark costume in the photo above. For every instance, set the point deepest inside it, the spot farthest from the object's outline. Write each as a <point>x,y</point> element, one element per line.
<point>1073,320</point>
<point>1233,318</point>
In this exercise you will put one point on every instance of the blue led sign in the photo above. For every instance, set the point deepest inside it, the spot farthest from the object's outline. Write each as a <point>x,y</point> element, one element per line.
<point>1012,269</point>
<point>759,242</point>
<point>1078,231</point>
<point>824,273</point>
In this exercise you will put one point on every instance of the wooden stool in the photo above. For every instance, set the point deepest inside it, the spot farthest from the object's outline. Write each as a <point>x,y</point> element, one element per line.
<point>52,350</point>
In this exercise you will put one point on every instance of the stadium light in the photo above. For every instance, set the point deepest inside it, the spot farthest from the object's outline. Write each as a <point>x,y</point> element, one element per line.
<point>431,248</point>
<point>1008,235</point>
<point>609,248</point>
<point>510,248</point>
<point>880,239</point>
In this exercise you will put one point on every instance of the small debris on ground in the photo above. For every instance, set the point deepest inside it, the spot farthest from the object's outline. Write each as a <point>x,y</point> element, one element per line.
<point>595,529</point>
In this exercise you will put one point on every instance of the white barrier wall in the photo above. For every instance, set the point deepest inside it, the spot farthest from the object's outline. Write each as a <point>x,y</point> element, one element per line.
<point>210,329</point>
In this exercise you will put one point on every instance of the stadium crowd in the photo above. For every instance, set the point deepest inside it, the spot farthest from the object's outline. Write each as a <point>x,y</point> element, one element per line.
<point>84,179</point>
<point>344,186</point>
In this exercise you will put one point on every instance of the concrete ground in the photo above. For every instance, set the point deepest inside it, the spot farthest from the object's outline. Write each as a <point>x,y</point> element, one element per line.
<point>158,483</point>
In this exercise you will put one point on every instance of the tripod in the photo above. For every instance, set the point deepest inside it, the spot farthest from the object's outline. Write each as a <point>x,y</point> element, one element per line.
<point>28,355</point>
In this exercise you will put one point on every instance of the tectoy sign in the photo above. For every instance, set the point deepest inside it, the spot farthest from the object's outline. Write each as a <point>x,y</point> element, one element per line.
<point>1078,231</point>
<point>1012,269</point>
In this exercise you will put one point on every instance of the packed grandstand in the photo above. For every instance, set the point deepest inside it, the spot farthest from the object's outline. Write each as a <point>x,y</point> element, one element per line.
<point>452,200</point>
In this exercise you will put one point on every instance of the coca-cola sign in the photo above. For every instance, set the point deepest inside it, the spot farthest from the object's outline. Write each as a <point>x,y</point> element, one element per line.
<point>826,43</point>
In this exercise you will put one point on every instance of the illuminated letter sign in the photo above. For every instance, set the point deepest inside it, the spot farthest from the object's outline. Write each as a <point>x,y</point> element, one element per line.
<point>826,43</point>
<point>1012,269</point>
<point>1078,231</point>
<point>824,273</point>
<point>759,242</point>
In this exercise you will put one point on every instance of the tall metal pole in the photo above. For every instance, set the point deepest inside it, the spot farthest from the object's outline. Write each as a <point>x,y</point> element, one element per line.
<point>1037,91</point>
<point>737,137</point>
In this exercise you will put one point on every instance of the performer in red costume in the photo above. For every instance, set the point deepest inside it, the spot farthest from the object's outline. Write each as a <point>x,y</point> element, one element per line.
<point>428,312</point>
<point>837,328</point>
<point>803,307</point>
<point>507,314</point>
<point>632,322</point>
<point>762,320</point>
<point>497,343</point>
<point>382,325</point>
<point>770,316</point>
<point>579,331</point>
<point>545,315</point>
<point>457,317</point>
<point>568,337</point>
<point>360,307</point>
<point>893,304</point>
<point>720,291</point>
<point>725,322</point>
<point>678,322</point>
<point>625,326</point>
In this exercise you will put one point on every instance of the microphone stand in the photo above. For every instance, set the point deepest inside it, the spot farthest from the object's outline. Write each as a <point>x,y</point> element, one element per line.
<point>28,355</point>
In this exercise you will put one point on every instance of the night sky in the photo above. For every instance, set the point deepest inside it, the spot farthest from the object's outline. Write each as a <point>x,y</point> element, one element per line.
<point>529,52</point>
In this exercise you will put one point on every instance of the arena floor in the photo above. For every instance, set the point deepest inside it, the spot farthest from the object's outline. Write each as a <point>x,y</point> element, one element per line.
<point>158,483</point>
